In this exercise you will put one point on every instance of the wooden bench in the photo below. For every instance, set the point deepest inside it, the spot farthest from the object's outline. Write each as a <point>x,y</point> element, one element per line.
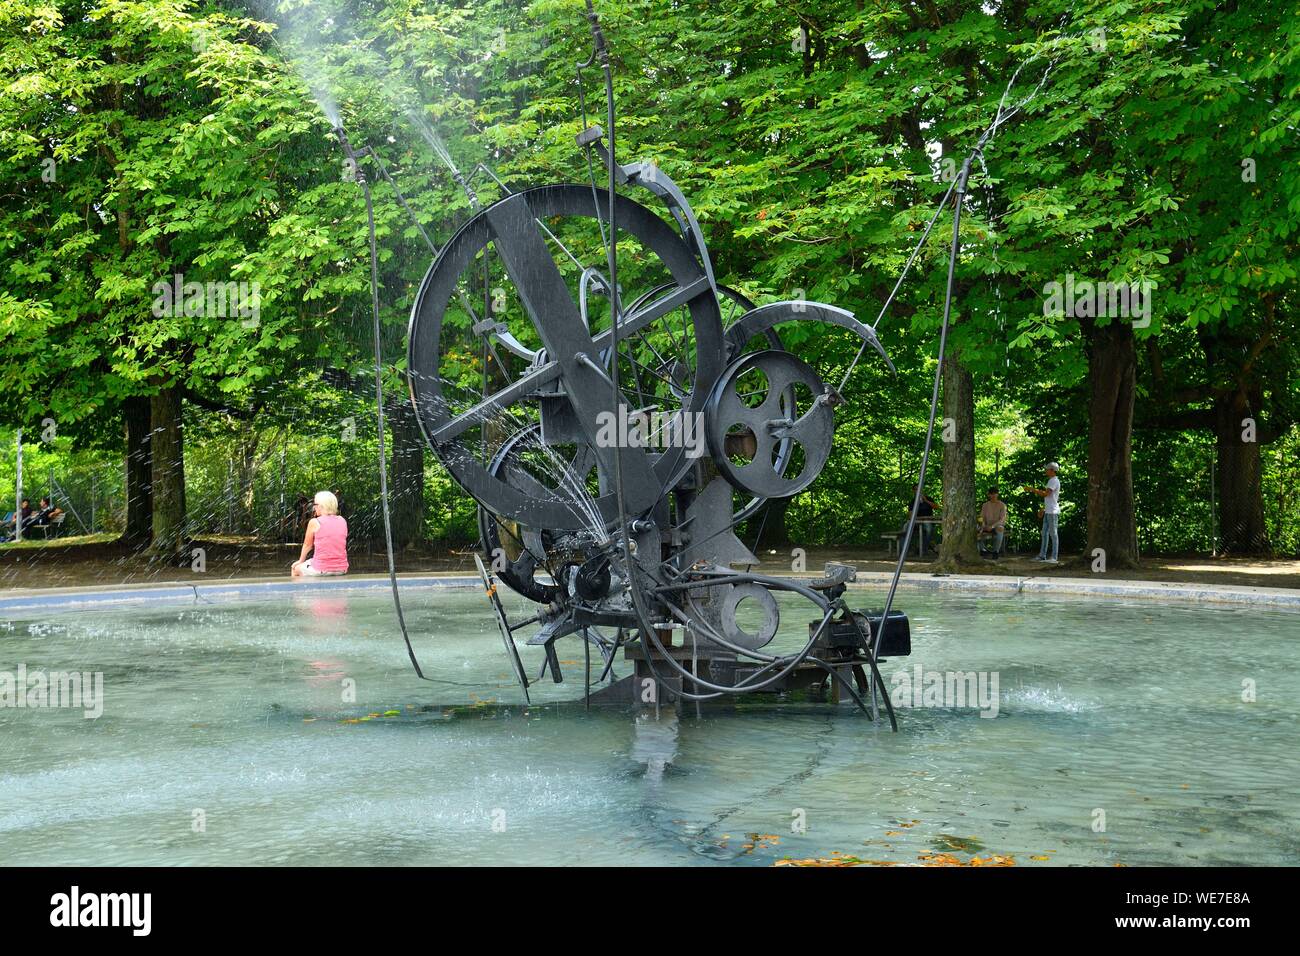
<point>48,530</point>
<point>892,538</point>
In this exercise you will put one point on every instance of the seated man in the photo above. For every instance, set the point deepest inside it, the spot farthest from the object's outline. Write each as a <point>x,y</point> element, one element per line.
<point>25,511</point>
<point>924,529</point>
<point>993,521</point>
<point>45,515</point>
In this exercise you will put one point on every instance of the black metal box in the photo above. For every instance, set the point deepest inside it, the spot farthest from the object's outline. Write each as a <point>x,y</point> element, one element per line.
<point>895,642</point>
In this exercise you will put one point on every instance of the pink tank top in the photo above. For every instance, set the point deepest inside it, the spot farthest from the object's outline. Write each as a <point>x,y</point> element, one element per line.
<point>331,544</point>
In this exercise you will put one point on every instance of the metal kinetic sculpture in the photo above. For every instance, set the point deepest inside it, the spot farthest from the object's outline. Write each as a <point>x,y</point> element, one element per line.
<point>631,413</point>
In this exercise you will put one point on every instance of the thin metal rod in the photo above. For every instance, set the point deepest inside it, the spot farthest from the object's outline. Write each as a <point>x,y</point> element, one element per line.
<point>379,396</point>
<point>18,491</point>
<point>954,251</point>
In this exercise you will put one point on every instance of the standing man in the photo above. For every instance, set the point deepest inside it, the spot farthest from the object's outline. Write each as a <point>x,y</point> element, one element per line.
<point>1051,496</point>
<point>993,520</point>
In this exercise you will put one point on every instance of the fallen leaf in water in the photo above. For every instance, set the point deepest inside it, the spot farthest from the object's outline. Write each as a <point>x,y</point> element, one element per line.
<point>947,859</point>
<point>761,841</point>
<point>946,841</point>
<point>833,861</point>
<point>839,858</point>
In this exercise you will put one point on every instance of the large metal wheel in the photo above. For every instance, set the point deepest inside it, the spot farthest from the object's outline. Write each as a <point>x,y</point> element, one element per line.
<point>563,383</point>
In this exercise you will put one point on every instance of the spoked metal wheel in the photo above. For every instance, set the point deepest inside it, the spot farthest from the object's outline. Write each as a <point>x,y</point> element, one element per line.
<point>734,304</point>
<point>753,402</point>
<point>517,552</point>
<point>553,371</point>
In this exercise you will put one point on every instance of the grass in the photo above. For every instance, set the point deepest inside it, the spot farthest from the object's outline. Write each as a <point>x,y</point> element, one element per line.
<point>69,540</point>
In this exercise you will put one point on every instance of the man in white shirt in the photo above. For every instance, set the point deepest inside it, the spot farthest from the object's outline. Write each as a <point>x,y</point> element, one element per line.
<point>1051,496</point>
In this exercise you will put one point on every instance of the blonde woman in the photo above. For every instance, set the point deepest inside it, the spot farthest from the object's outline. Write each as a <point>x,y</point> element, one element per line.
<point>327,534</point>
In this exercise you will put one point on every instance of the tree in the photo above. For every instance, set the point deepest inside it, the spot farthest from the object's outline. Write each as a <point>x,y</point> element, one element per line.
<point>813,143</point>
<point>1229,366</point>
<point>188,216</point>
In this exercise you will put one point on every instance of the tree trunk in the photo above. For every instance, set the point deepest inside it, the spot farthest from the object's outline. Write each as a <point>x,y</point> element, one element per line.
<point>406,488</point>
<point>1241,497</point>
<point>248,442</point>
<point>1112,375</point>
<point>139,477</point>
<point>1233,358</point>
<point>960,543</point>
<point>168,453</point>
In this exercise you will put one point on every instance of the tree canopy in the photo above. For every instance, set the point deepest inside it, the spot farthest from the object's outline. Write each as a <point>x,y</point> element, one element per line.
<point>1156,145</point>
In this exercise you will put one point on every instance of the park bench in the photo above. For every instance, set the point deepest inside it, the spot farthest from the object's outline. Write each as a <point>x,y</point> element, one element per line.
<point>48,530</point>
<point>892,538</point>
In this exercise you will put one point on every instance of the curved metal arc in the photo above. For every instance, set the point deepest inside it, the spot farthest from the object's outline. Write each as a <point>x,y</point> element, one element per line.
<point>767,316</point>
<point>649,176</point>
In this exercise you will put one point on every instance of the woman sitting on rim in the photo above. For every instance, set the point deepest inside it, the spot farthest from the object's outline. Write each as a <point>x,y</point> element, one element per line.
<point>328,534</point>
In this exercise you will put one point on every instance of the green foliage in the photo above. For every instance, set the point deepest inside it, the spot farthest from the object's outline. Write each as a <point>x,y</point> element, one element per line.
<point>184,140</point>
